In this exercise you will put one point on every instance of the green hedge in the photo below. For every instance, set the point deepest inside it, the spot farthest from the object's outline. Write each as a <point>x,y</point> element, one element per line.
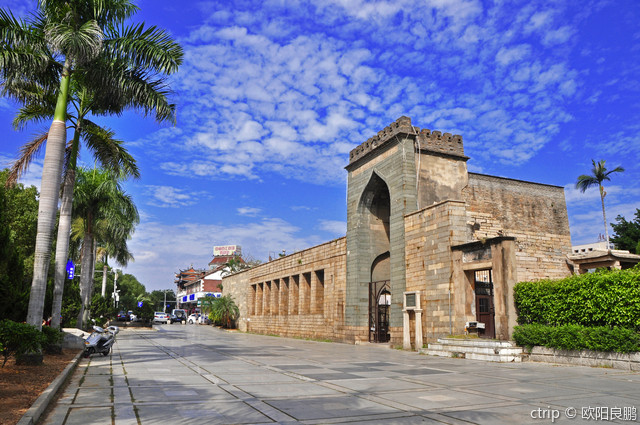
<point>608,298</point>
<point>576,337</point>
<point>19,338</point>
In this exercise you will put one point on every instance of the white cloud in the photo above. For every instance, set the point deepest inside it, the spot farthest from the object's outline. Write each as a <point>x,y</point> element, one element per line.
<point>558,36</point>
<point>256,101</point>
<point>505,56</point>
<point>338,228</point>
<point>171,197</point>
<point>182,244</point>
<point>249,211</point>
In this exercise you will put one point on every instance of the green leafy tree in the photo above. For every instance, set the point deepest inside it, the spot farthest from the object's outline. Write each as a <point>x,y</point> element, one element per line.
<point>147,309</point>
<point>158,298</point>
<point>599,174</point>
<point>626,234</point>
<point>128,284</point>
<point>59,42</point>
<point>18,217</point>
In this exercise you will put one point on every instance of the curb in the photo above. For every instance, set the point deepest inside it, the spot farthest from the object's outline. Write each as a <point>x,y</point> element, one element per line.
<point>40,405</point>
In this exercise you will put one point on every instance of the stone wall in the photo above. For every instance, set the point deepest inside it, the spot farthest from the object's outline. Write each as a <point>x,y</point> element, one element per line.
<point>300,295</point>
<point>535,214</point>
<point>429,234</point>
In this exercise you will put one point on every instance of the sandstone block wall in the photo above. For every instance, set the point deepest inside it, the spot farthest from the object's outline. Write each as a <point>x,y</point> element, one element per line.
<point>430,233</point>
<point>535,214</point>
<point>300,295</point>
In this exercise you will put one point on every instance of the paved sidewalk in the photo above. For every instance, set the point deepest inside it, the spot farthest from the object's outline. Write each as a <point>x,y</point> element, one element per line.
<point>177,374</point>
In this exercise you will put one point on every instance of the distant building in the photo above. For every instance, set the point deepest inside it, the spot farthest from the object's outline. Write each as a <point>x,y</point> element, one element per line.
<point>194,284</point>
<point>590,257</point>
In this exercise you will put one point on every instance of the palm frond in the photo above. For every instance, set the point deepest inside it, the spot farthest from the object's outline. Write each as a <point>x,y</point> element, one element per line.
<point>108,150</point>
<point>28,152</point>
<point>150,48</point>
<point>32,113</point>
<point>81,44</point>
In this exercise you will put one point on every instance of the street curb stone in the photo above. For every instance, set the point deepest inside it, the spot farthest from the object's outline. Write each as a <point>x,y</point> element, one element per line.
<point>48,395</point>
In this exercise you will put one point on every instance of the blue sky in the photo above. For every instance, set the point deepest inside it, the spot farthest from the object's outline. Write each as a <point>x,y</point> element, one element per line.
<point>273,95</point>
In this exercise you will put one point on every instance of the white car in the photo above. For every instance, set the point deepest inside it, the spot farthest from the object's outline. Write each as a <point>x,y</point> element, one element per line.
<point>160,317</point>
<point>198,318</point>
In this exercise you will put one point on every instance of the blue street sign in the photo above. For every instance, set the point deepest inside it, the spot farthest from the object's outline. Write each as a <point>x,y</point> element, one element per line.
<point>70,269</point>
<point>139,303</point>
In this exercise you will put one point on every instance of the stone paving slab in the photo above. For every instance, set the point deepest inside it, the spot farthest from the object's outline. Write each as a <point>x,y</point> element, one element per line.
<point>202,375</point>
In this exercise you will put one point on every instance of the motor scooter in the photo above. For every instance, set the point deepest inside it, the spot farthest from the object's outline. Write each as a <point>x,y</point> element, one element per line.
<point>100,340</point>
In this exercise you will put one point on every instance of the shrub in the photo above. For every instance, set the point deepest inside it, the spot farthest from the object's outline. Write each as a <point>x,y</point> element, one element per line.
<point>606,298</point>
<point>18,339</point>
<point>52,340</point>
<point>576,337</point>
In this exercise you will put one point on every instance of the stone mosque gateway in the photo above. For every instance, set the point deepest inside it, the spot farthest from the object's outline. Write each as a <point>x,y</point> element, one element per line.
<point>429,247</point>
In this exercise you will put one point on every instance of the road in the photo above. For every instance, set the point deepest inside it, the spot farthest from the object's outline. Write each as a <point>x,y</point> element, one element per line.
<point>191,374</point>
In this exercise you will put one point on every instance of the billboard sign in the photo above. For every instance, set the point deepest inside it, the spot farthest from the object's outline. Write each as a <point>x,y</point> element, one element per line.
<point>226,250</point>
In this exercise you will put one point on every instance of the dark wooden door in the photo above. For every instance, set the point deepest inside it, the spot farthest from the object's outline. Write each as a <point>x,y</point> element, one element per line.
<point>485,311</point>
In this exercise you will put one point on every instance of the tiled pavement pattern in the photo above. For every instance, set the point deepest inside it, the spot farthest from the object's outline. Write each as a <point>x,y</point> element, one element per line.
<point>178,374</point>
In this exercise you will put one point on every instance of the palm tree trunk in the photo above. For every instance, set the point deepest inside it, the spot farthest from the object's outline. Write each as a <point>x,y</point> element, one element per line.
<point>48,204</point>
<point>62,246</point>
<point>92,273</point>
<point>64,228</point>
<point>604,215</point>
<point>85,278</point>
<point>104,277</point>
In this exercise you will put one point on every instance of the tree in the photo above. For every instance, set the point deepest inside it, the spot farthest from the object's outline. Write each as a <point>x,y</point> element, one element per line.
<point>105,211</point>
<point>123,87</point>
<point>59,41</point>
<point>599,174</point>
<point>626,234</point>
<point>225,311</point>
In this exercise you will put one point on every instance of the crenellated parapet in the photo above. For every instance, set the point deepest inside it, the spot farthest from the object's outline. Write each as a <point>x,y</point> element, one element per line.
<point>400,126</point>
<point>434,141</point>
<point>446,143</point>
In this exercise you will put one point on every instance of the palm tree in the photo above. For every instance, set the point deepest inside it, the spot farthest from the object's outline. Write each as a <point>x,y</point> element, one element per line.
<point>224,310</point>
<point>104,213</point>
<point>599,173</point>
<point>141,92</point>
<point>57,43</point>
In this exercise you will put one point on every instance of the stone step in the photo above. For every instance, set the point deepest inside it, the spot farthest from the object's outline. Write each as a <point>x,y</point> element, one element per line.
<point>475,342</point>
<point>476,350</point>
<point>501,358</point>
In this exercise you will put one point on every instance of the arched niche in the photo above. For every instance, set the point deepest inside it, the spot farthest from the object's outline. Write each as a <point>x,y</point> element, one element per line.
<point>375,211</point>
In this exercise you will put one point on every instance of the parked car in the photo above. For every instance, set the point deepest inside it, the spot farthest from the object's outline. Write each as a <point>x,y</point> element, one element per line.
<point>204,320</point>
<point>160,317</point>
<point>123,317</point>
<point>193,319</point>
<point>178,315</point>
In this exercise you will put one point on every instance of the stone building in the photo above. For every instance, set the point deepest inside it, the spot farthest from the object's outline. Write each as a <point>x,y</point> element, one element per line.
<point>430,249</point>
